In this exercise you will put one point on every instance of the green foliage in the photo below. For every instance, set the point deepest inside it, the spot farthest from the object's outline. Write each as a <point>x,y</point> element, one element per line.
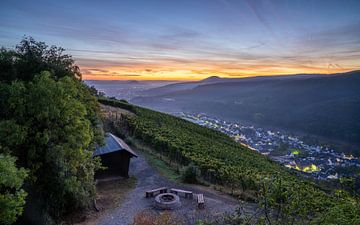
<point>344,212</point>
<point>189,174</point>
<point>12,196</point>
<point>162,167</point>
<point>287,202</point>
<point>49,120</point>
<point>349,184</point>
<point>31,57</point>
<point>55,138</point>
<point>218,158</point>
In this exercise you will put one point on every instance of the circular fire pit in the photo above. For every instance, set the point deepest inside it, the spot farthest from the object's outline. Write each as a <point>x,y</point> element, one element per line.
<point>167,201</point>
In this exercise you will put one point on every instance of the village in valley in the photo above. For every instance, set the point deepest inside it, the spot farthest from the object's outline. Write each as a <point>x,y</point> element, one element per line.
<point>316,161</point>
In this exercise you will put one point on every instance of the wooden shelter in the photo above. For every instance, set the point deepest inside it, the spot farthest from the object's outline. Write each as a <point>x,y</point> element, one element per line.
<point>115,155</point>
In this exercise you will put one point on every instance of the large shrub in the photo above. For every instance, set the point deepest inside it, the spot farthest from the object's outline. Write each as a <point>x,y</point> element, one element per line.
<point>49,121</point>
<point>189,174</point>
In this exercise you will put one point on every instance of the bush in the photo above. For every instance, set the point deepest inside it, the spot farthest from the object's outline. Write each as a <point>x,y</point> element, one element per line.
<point>57,137</point>
<point>49,120</point>
<point>189,174</point>
<point>12,197</point>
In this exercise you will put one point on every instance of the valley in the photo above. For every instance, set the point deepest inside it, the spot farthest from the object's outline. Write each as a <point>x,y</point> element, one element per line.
<point>316,105</point>
<point>264,112</point>
<point>314,161</point>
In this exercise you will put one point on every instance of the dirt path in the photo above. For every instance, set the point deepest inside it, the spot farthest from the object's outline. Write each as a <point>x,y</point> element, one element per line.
<point>216,203</point>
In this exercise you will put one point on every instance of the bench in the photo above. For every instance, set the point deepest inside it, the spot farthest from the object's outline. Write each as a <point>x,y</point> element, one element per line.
<point>152,192</point>
<point>200,201</point>
<point>188,194</point>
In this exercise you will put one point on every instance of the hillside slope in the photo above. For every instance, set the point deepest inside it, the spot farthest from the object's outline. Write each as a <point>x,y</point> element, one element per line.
<point>182,86</point>
<point>224,162</point>
<point>327,106</point>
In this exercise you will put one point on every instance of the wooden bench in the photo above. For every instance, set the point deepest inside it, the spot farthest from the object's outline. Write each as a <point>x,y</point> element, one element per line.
<point>152,192</point>
<point>188,194</point>
<point>201,201</point>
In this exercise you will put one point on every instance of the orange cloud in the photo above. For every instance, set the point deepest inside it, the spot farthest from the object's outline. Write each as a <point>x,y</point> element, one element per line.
<point>191,70</point>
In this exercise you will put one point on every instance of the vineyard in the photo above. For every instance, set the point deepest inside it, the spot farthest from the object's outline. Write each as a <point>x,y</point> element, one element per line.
<point>222,161</point>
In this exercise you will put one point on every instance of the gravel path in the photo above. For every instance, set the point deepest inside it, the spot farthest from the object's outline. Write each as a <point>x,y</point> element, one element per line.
<point>216,203</point>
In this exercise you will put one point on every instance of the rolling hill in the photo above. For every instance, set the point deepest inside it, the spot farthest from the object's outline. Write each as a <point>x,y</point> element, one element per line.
<point>322,105</point>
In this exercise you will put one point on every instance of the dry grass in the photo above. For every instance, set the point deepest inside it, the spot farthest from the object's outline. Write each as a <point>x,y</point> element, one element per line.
<point>164,218</point>
<point>110,111</point>
<point>111,192</point>
<point>110,114</point>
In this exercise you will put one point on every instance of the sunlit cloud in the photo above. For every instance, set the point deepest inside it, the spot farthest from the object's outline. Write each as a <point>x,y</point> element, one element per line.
<point>191,40</point>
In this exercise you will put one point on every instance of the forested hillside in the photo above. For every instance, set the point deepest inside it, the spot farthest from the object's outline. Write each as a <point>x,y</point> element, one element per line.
<point>284,197</point>
<point>48,129</point>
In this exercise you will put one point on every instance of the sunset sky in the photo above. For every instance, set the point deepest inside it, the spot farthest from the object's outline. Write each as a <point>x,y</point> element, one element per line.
<point>192,39</point>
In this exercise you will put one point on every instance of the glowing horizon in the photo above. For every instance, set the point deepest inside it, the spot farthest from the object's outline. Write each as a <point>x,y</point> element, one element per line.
<point>192,40</point>
<point>183,75</point>
<point>195,77</point>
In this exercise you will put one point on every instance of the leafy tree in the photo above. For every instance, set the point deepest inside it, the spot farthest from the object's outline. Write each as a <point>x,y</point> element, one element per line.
<point>55,142</point>
<point>31,57</point>
<point>12,196</point>
<point>49,120</point>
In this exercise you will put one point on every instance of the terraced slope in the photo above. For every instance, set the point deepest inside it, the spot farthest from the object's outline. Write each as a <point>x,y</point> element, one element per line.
<point>222,161</point>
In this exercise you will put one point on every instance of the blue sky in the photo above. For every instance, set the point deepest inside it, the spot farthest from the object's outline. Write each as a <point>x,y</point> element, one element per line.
<point>192,39</point>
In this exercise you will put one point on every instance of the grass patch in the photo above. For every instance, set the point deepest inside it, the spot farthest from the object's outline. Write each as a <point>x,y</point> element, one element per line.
<point>158,162</point>
<point>162,167</point>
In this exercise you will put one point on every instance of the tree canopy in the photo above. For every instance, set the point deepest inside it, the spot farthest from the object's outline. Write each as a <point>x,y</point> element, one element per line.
<point>31,57</point>
<point>49,122</point>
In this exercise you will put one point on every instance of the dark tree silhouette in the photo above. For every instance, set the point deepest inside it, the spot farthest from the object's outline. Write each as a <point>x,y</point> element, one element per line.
<point>31,57</point>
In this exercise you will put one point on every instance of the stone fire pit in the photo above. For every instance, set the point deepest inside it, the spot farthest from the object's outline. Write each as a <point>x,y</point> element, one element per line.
<point>167,201</point>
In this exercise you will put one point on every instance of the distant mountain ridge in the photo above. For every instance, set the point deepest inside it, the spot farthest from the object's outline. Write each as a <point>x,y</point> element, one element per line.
<point>216,79</point>
<point>212,79</point>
